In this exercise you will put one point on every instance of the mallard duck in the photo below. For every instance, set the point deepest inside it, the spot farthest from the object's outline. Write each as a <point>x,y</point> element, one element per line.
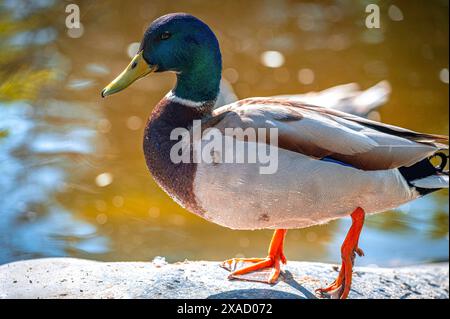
<point>329,164</point>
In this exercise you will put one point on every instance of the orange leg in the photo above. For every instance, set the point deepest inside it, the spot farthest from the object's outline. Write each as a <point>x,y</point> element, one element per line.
<point>341,286</point>
<point>275,256</point>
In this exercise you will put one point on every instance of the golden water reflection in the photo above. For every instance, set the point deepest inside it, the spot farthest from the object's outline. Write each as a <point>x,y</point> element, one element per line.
<point>74,180</point>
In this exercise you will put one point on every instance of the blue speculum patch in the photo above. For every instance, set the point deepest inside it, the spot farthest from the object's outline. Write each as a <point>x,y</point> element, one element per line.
<point>332,160</point>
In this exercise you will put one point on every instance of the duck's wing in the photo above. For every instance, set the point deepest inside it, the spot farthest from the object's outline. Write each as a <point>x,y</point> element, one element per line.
<point>346,97</point>
<point>326,133</point>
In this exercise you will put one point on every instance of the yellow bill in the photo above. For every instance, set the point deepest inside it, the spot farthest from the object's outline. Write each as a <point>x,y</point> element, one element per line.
<point>137,69</point>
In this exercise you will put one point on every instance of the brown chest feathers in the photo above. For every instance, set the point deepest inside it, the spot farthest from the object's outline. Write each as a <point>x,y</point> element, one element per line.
<point>176,179</point>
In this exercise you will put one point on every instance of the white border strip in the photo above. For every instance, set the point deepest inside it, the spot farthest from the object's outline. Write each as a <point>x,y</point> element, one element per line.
<point>172,97</point>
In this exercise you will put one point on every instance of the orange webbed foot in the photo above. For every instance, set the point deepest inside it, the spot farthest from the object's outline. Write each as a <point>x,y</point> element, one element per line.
<point>265,270</point>
<point>340,288</point>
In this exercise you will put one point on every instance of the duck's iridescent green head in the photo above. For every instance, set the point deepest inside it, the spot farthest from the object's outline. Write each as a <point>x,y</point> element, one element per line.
<point>182,44</point>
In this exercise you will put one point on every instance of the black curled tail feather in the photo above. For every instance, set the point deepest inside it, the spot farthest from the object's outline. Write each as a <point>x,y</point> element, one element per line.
<point>424,169</point>
<point>444,162</point>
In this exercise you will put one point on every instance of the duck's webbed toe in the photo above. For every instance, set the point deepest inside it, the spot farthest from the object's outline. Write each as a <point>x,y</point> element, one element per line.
<point>340,288</point>
<point>265,270</point>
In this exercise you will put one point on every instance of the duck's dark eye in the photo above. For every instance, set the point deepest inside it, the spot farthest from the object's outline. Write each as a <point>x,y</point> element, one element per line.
<point>165,35</point>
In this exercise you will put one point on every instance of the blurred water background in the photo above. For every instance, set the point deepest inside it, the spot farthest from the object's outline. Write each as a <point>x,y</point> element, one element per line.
<point>73,180</point>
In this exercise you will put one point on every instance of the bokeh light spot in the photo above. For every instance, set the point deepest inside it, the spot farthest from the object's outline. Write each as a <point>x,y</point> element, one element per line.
<point>306,76</point>
<point>118,201</point>
<point>395,14</point>
<point>272,59</point>
<point>76,32</point>
<point>101,219</point>
<point>231,75</point>
<point>103,125</point>
<point>443,75</point>
<point>134,123</point>
<point>132,49</point>
<point>104,179</point>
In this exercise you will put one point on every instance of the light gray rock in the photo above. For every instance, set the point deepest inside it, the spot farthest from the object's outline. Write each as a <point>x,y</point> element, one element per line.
<point>76,278</point>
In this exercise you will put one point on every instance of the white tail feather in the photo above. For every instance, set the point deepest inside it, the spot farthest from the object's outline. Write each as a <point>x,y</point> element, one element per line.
<point>434,181</point>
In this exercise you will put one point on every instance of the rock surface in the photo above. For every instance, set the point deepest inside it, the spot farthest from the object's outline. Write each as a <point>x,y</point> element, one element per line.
<point>76,278</point>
